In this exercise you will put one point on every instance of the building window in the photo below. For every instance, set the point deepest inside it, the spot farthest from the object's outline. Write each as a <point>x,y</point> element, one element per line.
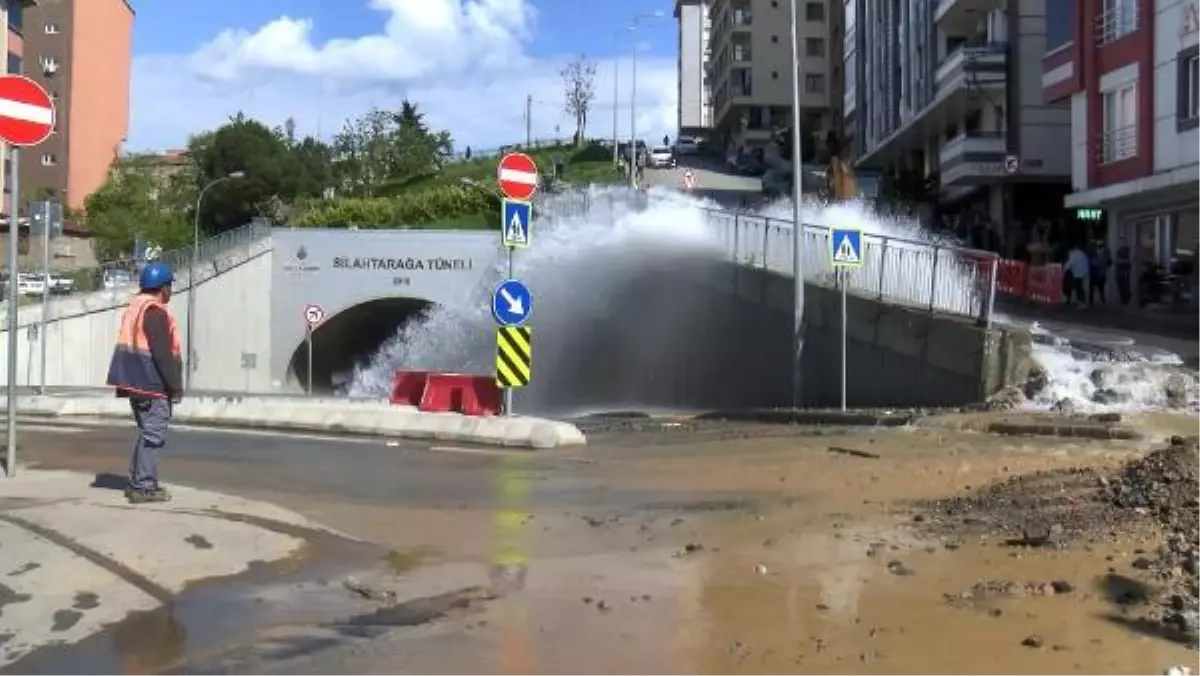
<point>1118,19</point>
<point>814,11</point>
<point>1060,24</point>
<point>16,14</point>
<point>1118,141</point>
<point>52,29</point>
<point>14,63</point>
<point>814,46</point>
<point>49,160</point>
<point>1187,92</point>
<point>814,83</point>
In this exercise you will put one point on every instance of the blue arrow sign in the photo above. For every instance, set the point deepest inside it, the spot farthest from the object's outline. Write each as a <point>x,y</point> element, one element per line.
<point>845,248</point>
<point>512,303</point>
<point>514,229</point>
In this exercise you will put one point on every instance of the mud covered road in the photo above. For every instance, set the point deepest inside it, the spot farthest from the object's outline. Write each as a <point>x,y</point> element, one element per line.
<point>676,547</point>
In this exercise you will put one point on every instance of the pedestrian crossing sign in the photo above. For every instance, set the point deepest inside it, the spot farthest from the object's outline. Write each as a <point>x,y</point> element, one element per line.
<point>514,228</point>
<point>845,248</point>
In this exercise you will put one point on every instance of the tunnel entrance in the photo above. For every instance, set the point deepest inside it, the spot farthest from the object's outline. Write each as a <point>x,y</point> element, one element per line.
<point>352,337</point>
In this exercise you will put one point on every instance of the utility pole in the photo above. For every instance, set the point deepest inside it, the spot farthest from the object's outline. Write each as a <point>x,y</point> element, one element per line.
<point>616,95</point>
<point>797,226</point>
<point>633,154</point>
<point>529,121</point>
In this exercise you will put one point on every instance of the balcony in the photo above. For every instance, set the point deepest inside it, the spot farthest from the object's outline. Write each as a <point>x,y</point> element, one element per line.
<point>973,66</point>
<point>740,18</point>
<point>1116,22</point>
<point>1117,144</point>
<point>962,12</point>
<point>972,158</point>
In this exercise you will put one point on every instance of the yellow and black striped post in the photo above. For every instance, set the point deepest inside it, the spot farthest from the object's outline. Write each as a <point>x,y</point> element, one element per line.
<point>514,356</point>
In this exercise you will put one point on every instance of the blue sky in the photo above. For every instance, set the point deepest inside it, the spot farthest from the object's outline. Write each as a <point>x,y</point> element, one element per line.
<point>468,63</point>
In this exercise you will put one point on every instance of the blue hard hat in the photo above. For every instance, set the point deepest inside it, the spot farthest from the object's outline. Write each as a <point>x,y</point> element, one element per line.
<point>156,275</point>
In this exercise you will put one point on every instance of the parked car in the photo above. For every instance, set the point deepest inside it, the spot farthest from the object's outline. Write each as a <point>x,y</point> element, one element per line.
<point>114,279</point>
<point>61,285</point>
<point>31,285</point>
<point>686,145</point>
<point>661,158</point>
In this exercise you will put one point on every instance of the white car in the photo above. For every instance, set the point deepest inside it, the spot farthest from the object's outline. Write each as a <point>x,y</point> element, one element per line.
<point>115,279</point>
<point>31,285</point>
<point>661,157</point>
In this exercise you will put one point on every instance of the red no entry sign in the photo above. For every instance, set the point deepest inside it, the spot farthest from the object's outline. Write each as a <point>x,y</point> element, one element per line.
<point>26,111</point>
<point>518,176</point>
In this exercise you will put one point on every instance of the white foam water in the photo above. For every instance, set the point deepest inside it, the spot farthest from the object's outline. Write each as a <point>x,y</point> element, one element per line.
<point>580,256</point>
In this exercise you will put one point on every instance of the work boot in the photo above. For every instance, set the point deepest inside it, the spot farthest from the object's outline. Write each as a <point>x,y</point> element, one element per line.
<point>138,496</point>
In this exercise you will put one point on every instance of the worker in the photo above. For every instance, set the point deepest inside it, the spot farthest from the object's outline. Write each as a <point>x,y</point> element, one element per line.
<point>146,368</point>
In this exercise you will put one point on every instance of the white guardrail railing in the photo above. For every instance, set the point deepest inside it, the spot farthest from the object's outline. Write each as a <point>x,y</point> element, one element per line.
<point>922,274</point>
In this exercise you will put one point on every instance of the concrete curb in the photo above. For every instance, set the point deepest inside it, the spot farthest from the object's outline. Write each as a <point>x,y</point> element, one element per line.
<point>329,415</point>
<point>787,416</point>
<point>1098,432</point>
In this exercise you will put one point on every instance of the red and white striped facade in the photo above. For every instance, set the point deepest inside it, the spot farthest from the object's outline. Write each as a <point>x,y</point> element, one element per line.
<point>1130,75</point>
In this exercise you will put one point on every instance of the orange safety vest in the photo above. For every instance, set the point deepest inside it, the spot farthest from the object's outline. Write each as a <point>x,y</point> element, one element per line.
<point>132,369</point>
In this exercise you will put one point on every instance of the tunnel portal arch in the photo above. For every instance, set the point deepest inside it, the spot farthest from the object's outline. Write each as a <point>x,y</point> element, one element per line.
<point>353,336</point>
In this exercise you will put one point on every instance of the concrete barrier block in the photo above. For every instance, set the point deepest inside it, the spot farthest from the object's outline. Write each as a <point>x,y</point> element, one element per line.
<point>553,434</point>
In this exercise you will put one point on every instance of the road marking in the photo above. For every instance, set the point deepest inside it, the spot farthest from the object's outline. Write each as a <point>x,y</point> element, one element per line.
<point>475,451</point>
<point>290,434</point>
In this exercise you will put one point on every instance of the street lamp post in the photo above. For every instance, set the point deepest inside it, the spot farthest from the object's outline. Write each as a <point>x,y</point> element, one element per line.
<point>189,356</point>
<point>633,155</point>
<point>797,226</point>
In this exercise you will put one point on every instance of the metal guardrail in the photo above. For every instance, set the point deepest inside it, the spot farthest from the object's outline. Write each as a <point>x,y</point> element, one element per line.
<point>933,276</point>
<point>121,272</point>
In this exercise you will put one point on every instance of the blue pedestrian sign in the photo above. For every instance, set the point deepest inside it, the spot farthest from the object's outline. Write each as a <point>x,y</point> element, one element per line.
<point>514,228</point>
<point>512,303</point>
<point>845,248</point>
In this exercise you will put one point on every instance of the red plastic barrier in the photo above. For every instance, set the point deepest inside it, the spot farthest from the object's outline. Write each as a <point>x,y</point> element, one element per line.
<point>1012,278</point>
<point>460,393</point>
<point>1045,284</point>
<point>408,387</point>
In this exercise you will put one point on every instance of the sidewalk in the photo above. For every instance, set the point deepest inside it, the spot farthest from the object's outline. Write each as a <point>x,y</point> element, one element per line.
<point>77,557</point>
<point>1175,326</point>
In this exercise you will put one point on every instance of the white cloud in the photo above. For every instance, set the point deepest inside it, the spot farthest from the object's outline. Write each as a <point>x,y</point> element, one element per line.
<point>464,62</point>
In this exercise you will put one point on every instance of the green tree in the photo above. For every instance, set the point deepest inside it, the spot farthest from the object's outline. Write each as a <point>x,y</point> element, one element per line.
<point>387,147</point>
<point>269,166</point>
<point>134,201</point>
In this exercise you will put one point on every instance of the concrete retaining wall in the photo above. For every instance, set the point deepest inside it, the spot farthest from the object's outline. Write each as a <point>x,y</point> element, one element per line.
<point>232,339</point>
<point>700,334</point>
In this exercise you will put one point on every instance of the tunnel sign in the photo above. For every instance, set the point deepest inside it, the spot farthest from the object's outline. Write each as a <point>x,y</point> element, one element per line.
<point>512,303</point>
<point>845,248</point>
<point>314,314</point>
<point>514,227</point>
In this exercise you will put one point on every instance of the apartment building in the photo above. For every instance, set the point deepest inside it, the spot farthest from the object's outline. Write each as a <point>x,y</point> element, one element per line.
<point>752,73</point>
<point>949,93</point>
<point>695,96</point>
<point>1131,72</point>
<point>81,51</point>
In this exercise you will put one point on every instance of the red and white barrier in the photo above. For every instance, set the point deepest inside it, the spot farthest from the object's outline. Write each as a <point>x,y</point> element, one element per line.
<point>433,392</point>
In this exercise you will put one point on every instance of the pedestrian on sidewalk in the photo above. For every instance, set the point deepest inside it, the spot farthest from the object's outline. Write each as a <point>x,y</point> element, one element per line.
<point>1124,272</point>
<point>1101,261</point>
<point>1077,269</point>
<point>146,368</point>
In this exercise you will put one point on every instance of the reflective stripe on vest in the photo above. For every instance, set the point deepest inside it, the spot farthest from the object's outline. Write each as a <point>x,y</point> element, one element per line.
<point>132,368</point>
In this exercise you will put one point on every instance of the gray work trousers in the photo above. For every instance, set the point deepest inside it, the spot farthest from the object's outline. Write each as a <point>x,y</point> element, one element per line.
<point>152,416</point>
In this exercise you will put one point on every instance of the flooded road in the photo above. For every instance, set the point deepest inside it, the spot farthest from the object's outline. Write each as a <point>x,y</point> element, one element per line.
<point>664,547</point>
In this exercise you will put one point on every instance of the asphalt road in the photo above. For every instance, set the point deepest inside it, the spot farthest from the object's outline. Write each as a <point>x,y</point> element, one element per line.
<point>413,498</point>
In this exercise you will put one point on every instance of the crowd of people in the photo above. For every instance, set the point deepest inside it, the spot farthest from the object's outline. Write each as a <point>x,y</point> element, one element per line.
<point>1088,263</point>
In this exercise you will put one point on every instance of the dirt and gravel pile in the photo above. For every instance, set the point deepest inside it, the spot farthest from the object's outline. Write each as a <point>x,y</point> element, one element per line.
<point>1055,508</point>
<point>1041,509</point>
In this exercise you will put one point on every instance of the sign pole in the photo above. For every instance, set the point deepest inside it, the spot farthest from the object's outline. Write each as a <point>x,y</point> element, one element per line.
<point>44,207</point>
<point>308,336</point>
<point>508,391</point>
<point>14,232</point>
<point>842,273</point>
